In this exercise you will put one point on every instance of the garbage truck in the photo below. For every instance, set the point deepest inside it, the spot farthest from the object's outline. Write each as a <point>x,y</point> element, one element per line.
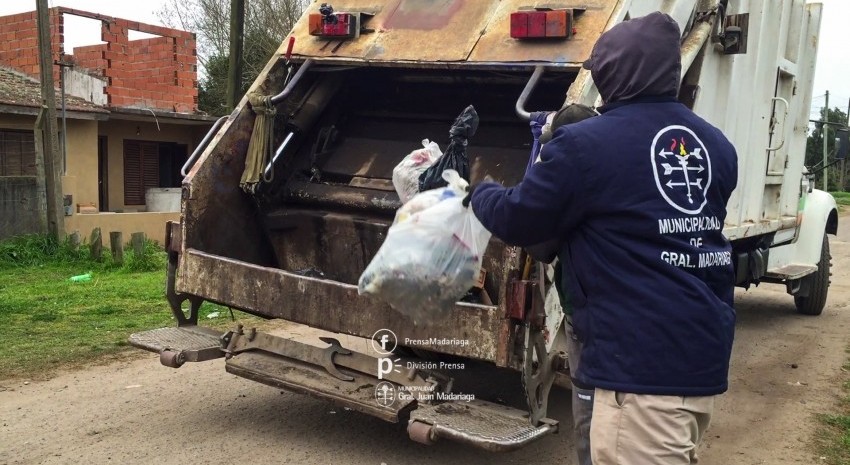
<point>354,88</point>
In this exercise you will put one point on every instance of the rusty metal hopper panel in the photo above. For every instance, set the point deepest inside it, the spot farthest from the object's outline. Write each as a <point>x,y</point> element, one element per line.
<point>334,306</point>
<point>456,31</point>
<point>496,45</point>
<point>405,30</point>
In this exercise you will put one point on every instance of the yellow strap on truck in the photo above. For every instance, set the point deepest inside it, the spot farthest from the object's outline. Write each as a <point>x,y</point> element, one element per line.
<point>260,145</point>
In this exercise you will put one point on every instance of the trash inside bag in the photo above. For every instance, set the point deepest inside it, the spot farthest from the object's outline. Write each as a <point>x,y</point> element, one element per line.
<point>406,174</point>
<point>455,157</point>
<point>432,254</point>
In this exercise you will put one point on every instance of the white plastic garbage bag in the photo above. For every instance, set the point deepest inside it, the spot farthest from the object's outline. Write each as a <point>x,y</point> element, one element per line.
<point>406,173</point>
<point>432,254</point>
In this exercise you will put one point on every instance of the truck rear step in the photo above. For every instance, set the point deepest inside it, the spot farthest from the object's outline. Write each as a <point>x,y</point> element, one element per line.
<point>303,378</point>
<point>346,378</point>
<point>478,423</point>
<point>176,346</point>
<point>792,271</point>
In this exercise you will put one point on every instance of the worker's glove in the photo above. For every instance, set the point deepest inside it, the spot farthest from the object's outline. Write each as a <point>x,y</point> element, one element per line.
<point>468,198</point>
<point>546,130</point>
<point>470,188</point>
<point>572,113</point>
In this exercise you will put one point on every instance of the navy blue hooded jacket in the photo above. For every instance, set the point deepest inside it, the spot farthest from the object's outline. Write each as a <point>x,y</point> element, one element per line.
<point>638,196</point>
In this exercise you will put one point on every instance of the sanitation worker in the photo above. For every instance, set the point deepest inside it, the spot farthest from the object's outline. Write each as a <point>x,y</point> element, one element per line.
<point>582,396</point>
<point>637,196</point>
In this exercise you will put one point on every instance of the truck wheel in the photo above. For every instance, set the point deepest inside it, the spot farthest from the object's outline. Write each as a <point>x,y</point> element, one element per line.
<point>814,303</point>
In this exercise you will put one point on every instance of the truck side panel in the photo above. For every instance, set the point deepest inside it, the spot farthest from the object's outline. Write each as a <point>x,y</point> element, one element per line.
<point>740,95</point>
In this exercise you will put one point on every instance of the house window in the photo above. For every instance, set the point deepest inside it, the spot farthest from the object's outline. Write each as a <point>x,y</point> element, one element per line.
<point>17,153</point>
<point>150,164</point>
<point>141,170</point>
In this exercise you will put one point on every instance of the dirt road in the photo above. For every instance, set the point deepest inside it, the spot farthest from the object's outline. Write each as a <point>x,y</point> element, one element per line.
<point>785,369</point>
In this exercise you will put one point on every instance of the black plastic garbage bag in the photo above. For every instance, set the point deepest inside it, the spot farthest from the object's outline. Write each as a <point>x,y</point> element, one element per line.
<point>454,158</point>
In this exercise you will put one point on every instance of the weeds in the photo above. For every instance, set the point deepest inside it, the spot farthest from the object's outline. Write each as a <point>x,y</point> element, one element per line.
<point>151,259</point>
<point>841,198</point>
<point>833,437</point>
<point>42,250</point>
<point>36,250</point>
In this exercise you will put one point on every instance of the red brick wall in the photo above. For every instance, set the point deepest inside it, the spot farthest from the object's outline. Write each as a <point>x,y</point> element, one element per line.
<point>19,41</point>
<point>158,73</point>
<point>90,57</point>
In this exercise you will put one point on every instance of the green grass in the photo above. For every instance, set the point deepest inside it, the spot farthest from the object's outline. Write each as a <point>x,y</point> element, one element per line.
<point>833,439</point>
<point>49,322</point>
<point>40,250</point>
<point>843,201</point>
<point>842,198</point>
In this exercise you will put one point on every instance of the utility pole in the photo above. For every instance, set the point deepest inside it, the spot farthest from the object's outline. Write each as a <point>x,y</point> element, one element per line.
<point>39,173</point>
<point>824,129</point>
<point>52,166</point>
<point>237,33</point>
<point>844,162</point>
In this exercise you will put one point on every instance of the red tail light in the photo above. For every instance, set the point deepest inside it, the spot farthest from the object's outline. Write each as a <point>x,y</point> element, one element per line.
<point>539,24</point>
<point>337,25</point>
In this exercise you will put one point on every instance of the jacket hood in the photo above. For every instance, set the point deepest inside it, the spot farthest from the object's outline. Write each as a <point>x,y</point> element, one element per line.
<point>637,58</point>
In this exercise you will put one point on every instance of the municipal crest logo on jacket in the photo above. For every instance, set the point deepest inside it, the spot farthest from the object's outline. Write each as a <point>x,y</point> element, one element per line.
<point>682,167</point>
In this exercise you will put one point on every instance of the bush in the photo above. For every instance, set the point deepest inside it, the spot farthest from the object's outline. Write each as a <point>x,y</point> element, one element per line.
<point>152,258</point>
<point>41,250</point>
<point>38,250</point>
<point>841,198</point>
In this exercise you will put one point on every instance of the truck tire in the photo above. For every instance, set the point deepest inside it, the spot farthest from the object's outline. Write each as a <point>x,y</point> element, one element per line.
<point>814,303</point>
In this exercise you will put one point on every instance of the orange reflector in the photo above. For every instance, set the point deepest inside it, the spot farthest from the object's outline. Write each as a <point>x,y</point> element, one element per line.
<point>315,24</point>
<point>557,23</point>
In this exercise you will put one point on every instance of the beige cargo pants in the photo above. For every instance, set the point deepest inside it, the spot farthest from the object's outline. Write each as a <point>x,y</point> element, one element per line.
<point>636,429</point>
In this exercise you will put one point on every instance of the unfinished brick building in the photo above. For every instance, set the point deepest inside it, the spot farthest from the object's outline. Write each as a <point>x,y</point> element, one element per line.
<point>131,119</point>
<point>158,73</point>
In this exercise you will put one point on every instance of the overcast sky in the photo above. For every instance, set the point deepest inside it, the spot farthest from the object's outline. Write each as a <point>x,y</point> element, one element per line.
<point>833,68</point>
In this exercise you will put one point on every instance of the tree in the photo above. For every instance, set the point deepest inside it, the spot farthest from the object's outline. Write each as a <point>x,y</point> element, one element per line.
<point>212,88</point>
<point>267,23</point>
<point>814,147</point>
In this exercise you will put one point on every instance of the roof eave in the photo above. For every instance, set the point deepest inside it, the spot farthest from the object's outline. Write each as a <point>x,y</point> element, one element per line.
<point>17,109</point>
<point>147,114</point>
